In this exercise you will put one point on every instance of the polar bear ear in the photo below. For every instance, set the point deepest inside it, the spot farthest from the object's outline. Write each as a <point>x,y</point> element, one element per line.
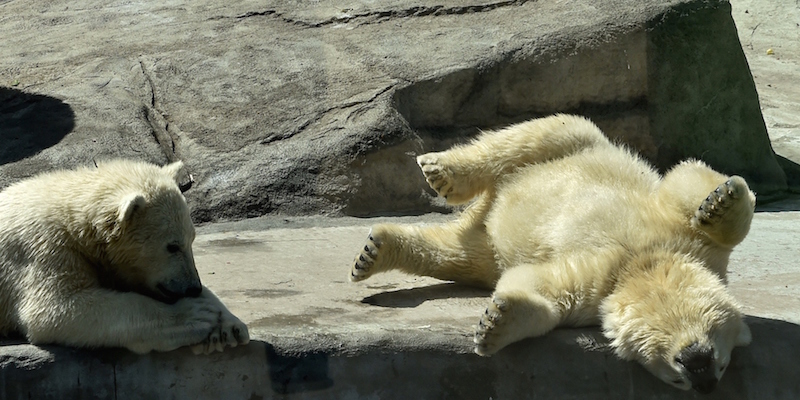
<point>131,204</point>
<point>180,175</point>
<point>744,337</point>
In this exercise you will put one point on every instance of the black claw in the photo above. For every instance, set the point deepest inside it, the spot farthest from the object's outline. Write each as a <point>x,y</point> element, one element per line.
<point>361,258</point>
<point>366,248</point>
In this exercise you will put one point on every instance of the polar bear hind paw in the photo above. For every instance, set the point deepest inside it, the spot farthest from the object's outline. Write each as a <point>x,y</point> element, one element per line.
<point>364,264</point>
<point>491,327</point>
<point>438,176</point>
<point>720,200</point>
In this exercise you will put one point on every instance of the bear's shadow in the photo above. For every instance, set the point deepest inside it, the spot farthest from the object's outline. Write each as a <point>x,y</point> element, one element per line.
<point>413,297</point>
<point>30,123</point>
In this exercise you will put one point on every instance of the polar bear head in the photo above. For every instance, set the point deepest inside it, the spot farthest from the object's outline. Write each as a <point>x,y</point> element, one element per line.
<point>676,318</point>
<point>148,232</point>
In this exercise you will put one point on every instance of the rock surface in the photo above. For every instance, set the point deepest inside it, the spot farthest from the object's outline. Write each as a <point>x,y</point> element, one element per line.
<point>75,90</point>
<point>298,108</point>
<point>770,36</point>
<point>394,336</point>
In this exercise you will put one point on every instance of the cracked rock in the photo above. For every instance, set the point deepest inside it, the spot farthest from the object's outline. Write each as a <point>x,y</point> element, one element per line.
<point>300,108</point>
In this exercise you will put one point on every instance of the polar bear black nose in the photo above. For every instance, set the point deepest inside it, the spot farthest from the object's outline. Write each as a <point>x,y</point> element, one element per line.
<point>696,358</point>
<point>194,291</point>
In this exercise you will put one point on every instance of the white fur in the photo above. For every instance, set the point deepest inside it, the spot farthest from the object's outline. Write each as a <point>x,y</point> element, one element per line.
<point>571,230</point>
<point>86,255</point>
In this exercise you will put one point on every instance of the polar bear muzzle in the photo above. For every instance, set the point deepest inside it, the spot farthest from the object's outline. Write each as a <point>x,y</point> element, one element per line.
<point>173,290</point>
<point>185,283</point>
<point>698,361</point>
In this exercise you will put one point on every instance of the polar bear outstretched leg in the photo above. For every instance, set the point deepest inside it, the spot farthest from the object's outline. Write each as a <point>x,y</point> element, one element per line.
<point>105,318</point>
<point>444,252</point>
<point>457,251</point>
<point>726,213</point>
<point>461,173</point>
<point>517,311</point>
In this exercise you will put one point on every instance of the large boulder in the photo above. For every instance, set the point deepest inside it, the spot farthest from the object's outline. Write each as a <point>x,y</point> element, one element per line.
<point>319,107</point>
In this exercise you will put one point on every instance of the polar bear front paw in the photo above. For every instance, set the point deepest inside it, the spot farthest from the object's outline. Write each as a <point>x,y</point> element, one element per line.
<point>230,332</point>
<point>490,332</point>
<point>722,199</point>
<point>187,322</point>
<point>364,265</point>
<point>234,332</point>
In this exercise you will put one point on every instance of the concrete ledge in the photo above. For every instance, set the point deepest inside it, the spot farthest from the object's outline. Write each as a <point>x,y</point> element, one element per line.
<point>549,367</point>
<point>318,336</point>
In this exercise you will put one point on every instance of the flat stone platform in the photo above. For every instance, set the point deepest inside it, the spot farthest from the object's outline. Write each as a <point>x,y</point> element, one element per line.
<point>318,336</point>
<point>259,98</point>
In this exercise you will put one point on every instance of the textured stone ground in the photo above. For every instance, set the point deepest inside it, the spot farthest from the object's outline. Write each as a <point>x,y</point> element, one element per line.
<point>316,335</point>
<point>311,107</point>
<point>770,35</point>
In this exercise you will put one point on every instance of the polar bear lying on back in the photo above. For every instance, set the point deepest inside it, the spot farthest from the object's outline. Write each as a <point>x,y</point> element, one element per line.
<point>571,230</point>
<point>102,257</point>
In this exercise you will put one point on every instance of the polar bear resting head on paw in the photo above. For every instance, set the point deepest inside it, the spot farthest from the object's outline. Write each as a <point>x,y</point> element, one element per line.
<point>102,257</point>
<point>151,235</point>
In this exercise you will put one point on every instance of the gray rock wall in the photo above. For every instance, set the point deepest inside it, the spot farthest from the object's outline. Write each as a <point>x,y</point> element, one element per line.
<point>301,108</point>
<point>551,367</point>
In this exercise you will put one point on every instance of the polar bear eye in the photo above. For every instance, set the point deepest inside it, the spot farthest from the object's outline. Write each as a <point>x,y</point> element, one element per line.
<point>173,248</point>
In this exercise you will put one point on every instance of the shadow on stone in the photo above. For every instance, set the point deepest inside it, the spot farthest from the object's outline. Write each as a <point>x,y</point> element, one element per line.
<point>557,365</point>
<point>30,123</point>
<point>410,298</point>
<point>551,366</point>
<point>791,200</point>
<point>298,373</point>
<point>789,203</point>
<point>759,368</point>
